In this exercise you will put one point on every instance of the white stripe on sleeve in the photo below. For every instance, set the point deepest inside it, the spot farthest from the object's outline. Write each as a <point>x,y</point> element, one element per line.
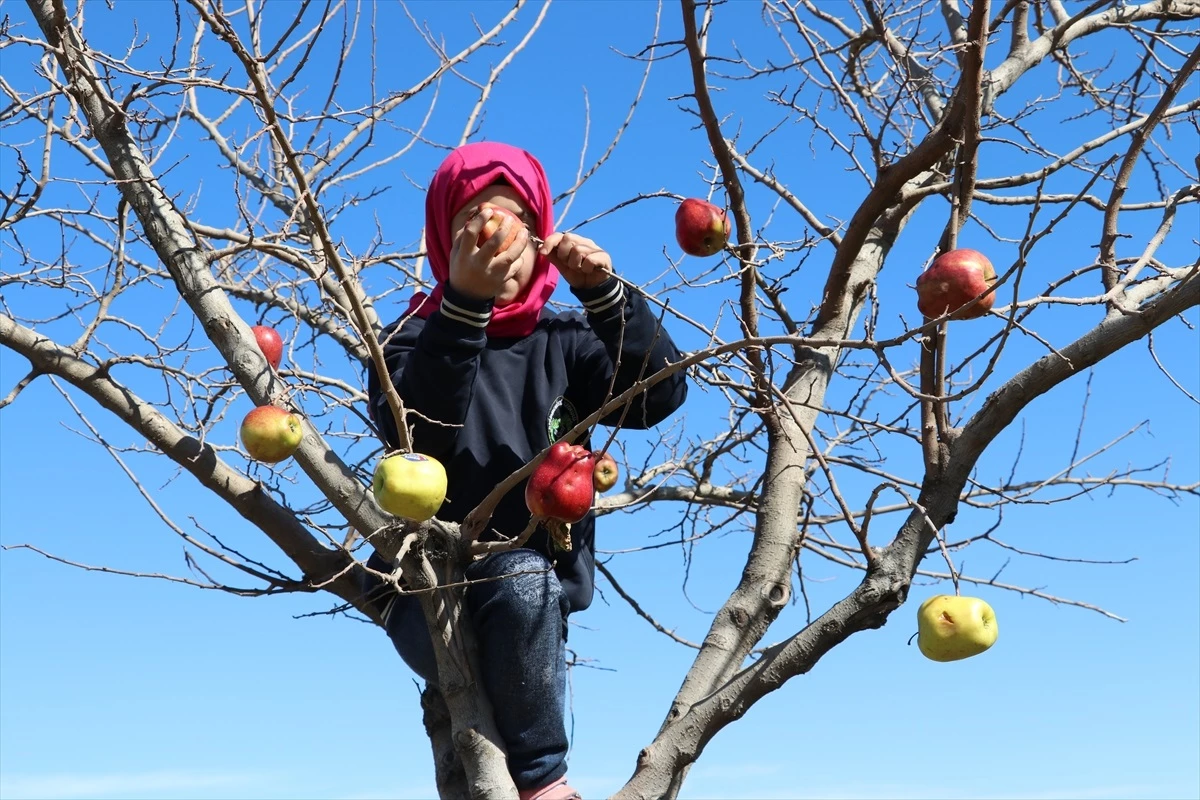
<point>478,319</point>
<point>607,300</point>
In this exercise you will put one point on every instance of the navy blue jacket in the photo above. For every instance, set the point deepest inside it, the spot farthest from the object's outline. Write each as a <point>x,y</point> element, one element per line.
<point>488,405</point>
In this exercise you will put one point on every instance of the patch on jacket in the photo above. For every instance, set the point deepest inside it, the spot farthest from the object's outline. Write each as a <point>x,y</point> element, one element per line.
<point>562,418</point>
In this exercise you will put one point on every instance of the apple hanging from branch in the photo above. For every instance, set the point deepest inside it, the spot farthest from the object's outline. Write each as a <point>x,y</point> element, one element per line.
<point>605,473</point>
<point>953,280</point>
<point>561,485</point>
<point>701,228</point>
<point>951,627</point>
<point>271,434</point>
<point>270,343</point>
<point>410,485</point>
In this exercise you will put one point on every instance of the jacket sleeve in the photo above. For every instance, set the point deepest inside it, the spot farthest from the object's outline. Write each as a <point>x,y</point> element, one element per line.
<point>627,340</point>
<point>434,371</point>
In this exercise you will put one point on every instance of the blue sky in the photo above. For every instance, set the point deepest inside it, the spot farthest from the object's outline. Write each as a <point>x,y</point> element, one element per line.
<point>112,687</point>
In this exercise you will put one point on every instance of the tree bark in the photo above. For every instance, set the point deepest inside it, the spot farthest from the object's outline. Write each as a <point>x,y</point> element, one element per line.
<point>475,738</point>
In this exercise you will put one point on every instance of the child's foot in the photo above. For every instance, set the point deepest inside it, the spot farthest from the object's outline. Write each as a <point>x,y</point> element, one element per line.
<point>555,790</point>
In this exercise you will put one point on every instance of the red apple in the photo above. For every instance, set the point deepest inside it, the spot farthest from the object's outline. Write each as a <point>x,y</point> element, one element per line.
<point>561,486</point>
<point>493,224</point>
<point>271,434</point>
<point>604,475</point>
<point>701,228</point>
<point>954,279</point>
<point>269,343</point>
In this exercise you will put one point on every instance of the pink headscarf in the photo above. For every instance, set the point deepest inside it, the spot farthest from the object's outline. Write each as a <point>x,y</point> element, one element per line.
<point>466,172</point>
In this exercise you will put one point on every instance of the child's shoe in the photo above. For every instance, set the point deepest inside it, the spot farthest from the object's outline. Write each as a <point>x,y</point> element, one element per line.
<point>555,790</point>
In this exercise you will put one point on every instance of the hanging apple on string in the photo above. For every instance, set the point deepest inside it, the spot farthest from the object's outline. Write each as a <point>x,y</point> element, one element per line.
<point>952,627</point>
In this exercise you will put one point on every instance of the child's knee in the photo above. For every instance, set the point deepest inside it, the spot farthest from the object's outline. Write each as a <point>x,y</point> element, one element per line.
<point>519,582</point>
<point>512,562</point>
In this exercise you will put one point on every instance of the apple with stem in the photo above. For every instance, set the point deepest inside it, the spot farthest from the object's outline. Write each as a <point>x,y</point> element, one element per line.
<point>701,228</point>
<point>561,485</point>
<point>953,280</point>
<point>952,627</point>
<point>605,473</point>
<point>270,343</point>
<point>409,485</point>
<point>271,434</point>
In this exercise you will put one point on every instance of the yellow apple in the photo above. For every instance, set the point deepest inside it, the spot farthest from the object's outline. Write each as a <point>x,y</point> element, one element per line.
<point>271,434</point>
<point>606,472</point>
<point>410,485</point>
<point>950,627</point>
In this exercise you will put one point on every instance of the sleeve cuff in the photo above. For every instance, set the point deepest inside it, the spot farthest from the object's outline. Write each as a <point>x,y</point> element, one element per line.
<point>599,299</point>
<point>466,310</point>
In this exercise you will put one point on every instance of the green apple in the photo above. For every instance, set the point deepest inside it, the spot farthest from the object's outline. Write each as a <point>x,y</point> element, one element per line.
<point>410,485</point>
<point>950,627</point>
<point>271,434</point>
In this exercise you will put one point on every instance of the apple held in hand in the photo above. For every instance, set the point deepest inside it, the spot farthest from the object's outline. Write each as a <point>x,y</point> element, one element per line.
<point>954,279</point>
<point>561,486</point>
<point>410,485</point>
<point>493,224</point>
<point>605,473</point>
<point>270,434</point>
<point>701,228</point>
<point>270,343</point>
<point>950,627</point>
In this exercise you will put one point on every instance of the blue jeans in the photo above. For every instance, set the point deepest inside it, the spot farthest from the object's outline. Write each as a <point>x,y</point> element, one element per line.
<point>521,625</point>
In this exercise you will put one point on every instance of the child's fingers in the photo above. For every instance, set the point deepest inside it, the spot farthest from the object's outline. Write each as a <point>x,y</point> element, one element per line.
<point>576,260</point>
<point>576,255</point>
<point>597,261</point>
<point>568,253</point>
<point>514,268</point>
<point>506,264</point>
<point>490,248</point>
<point>585,242</point>
<point>587,257</point>
<point>519,243</point>
<point>474,226</point>
<point>550,243</point>
<point>561,253</point>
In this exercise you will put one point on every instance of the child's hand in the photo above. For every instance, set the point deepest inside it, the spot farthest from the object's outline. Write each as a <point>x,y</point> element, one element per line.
<point>480,272</point>
<point>581,261</point>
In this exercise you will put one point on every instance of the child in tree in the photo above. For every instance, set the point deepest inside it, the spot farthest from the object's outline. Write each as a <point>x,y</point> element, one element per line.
<point>495,378</point>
